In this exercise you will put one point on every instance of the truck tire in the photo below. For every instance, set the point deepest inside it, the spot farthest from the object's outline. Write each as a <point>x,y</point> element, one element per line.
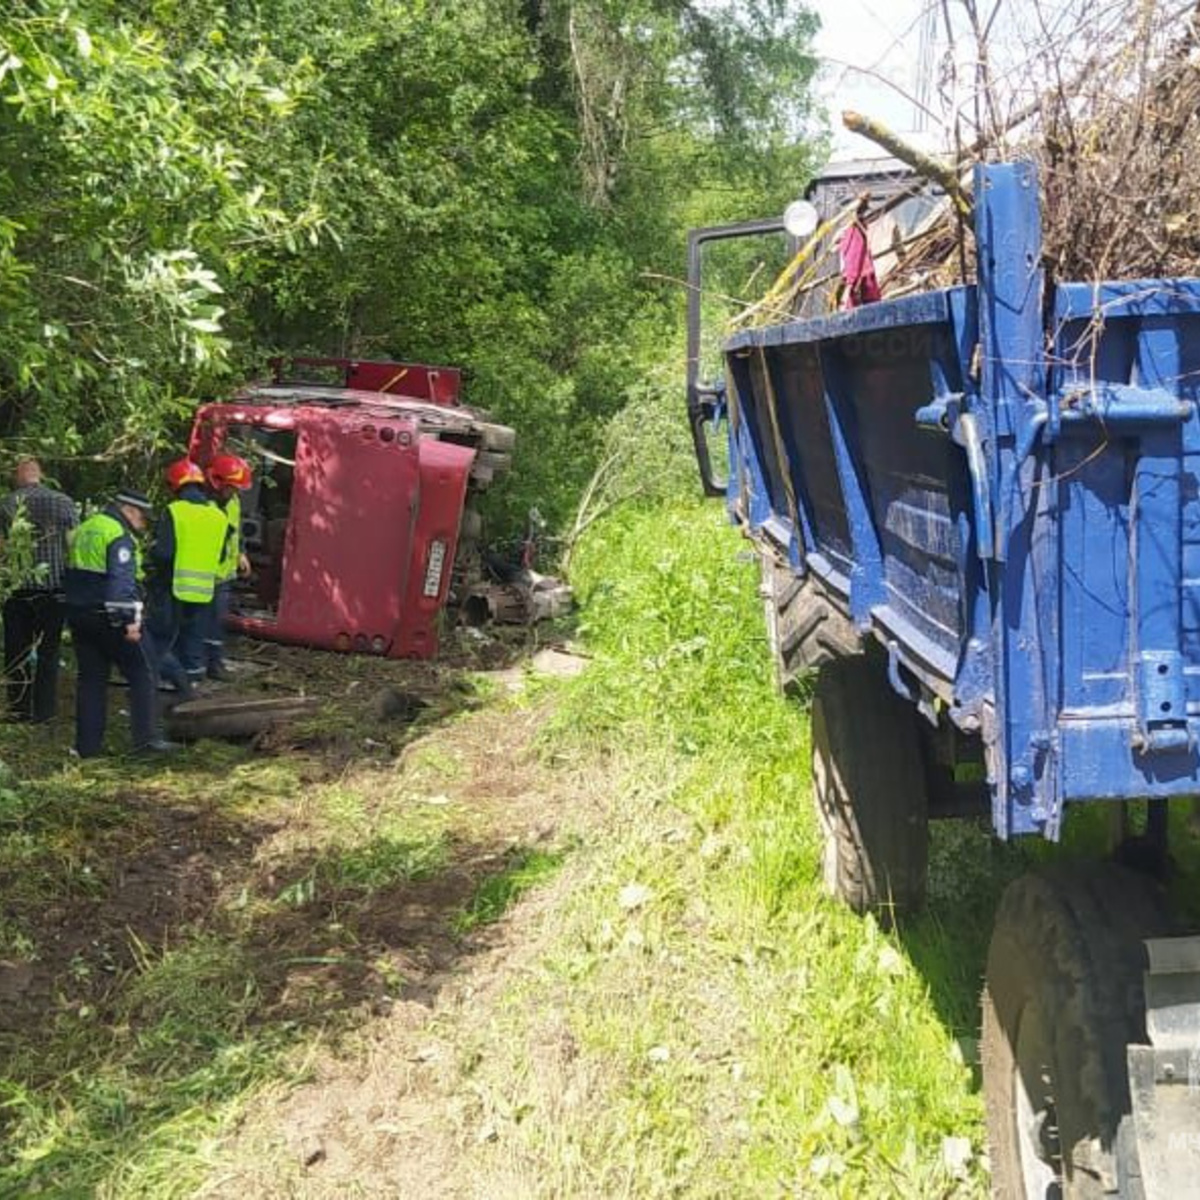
<point>870,790</point>
<point>1063,996</point>
<point>804,629</point>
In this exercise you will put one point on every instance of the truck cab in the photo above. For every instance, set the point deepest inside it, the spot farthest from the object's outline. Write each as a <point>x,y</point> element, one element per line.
<point>359,527</point>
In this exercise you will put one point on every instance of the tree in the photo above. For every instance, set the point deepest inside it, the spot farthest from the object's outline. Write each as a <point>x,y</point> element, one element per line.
<point>127,218</point>
<point>186,188</point>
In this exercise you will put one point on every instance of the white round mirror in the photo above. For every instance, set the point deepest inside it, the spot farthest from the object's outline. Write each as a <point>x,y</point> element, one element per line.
<point>800,219</point>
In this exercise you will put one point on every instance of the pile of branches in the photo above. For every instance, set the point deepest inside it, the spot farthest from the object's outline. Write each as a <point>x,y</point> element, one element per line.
<point>1104,100</point>
<point>1118,150</point>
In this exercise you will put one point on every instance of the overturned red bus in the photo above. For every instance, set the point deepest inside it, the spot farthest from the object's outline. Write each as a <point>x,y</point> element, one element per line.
<point>359,527</point>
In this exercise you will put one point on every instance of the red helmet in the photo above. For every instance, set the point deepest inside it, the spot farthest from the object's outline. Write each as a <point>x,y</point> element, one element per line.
<point>183,471</point>
<point>228,470</point>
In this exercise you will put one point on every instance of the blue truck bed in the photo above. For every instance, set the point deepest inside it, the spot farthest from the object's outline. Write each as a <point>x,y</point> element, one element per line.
<point>998,483</point>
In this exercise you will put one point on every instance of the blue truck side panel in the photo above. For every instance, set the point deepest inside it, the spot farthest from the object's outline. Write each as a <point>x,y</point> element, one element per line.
<point>1000,486</point>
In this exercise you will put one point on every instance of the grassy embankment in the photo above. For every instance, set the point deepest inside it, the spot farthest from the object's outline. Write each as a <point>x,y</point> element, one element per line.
<point>731,1031</point>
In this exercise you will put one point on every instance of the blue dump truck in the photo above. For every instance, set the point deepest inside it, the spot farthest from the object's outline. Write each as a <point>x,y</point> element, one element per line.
<point>978,515</point>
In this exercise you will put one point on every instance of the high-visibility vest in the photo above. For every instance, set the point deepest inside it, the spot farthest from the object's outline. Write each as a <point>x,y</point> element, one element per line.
<point>228,566</point>
<point>88,550</point>
<point>199,539</point>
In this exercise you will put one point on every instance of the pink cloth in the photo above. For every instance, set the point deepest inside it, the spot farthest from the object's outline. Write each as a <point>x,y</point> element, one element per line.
<point>858,267</point>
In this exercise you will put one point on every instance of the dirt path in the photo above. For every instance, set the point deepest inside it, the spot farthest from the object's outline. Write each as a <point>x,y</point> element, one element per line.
<point>389,1110</point>
<point>295,935</point>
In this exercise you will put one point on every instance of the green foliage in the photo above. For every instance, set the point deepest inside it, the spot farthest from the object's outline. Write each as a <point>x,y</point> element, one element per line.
<point>664,603</point>
<point>184,189</point>
<point>19,566</point>
<point>126,217</point>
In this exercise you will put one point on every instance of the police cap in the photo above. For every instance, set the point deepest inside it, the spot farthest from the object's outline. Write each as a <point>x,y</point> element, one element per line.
<point>134,499</point>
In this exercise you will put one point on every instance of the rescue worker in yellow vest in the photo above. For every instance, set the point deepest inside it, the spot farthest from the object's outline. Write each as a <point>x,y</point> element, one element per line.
<point>189,541</point>
<point>228,476</point>
<point>103,599</point>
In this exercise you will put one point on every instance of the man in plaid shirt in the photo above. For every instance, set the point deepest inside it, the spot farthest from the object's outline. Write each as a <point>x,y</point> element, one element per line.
<point>33,614</point>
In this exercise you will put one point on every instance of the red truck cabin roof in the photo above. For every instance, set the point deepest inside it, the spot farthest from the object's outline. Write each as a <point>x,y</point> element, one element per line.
<point>415,381</point>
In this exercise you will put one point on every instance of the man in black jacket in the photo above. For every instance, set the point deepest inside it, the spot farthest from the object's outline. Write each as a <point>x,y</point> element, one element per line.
<point>33,613</point>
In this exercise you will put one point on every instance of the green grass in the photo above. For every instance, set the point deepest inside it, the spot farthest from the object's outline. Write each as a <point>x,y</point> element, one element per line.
<point>382,863</point>
<point>526,867</point>
<point>123,1100</point>
<point>170,1015</point>
<point>739,1034</point>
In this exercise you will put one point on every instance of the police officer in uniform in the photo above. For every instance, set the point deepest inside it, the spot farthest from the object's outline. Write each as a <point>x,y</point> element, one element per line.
<point>103,600</point>
<point>189,541</point>
<point>228,476</point>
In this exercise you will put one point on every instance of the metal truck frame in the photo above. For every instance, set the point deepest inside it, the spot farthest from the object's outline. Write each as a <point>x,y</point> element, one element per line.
<point>979,517</point>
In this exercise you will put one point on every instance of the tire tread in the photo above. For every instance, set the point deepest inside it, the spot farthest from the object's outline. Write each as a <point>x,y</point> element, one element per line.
<point>1069,939</point>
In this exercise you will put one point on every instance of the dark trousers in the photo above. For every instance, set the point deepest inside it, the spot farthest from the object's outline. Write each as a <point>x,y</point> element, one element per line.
<point>193,628</point>
<point>177,631</point>
<point>33,622</point>
<point>214,633</point>
<point>99,646</point>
